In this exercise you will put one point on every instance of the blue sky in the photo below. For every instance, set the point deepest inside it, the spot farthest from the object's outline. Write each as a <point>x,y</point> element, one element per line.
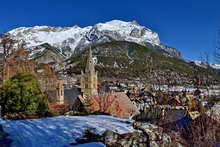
<point>191,26</point>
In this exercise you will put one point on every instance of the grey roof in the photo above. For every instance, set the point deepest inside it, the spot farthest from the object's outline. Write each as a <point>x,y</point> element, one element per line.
<point>71,95</point>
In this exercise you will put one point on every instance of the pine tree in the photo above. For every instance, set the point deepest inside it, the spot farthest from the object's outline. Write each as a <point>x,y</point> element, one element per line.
<point>22,94</point>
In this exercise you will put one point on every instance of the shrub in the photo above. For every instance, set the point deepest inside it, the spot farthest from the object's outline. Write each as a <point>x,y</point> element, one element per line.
<point>192,105</point>
<point>59,108</point>
<point>204,131</point>
<point>21,94</point>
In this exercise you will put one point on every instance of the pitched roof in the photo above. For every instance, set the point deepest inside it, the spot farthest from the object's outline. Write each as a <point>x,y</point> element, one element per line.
<point>116,104</point>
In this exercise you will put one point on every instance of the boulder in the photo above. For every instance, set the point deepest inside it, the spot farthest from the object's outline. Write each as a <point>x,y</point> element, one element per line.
<point>135,139</point>
<point>113,139</point>
<point>159,137</point>
<point>4,141</point>
<point>147,135</point>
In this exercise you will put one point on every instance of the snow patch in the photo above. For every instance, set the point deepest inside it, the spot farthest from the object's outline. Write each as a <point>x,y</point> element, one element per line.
<point>61,131</point>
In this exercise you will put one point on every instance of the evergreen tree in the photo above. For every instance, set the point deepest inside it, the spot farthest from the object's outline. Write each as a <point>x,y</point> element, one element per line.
<point>22,94</point>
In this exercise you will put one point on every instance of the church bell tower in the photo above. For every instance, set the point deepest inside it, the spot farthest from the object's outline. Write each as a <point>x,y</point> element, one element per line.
<point>89,79</point>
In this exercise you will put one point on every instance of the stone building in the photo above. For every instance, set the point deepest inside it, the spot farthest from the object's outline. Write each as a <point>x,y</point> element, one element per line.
<point>18,62</point>
<point>56,93</point>
<point>89,79</point>
<point>60,92</point>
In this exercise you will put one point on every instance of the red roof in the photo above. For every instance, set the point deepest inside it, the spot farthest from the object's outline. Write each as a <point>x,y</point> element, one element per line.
<point>116,104</point>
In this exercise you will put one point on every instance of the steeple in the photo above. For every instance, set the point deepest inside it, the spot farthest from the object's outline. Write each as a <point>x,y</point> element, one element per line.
<point>90,64</point>
<point>89,79</point>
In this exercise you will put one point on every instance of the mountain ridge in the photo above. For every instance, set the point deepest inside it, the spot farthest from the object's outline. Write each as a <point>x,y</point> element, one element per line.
<point>73,39</point>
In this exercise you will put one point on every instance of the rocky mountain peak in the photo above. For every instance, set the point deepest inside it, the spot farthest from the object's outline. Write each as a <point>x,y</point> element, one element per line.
<point>70,40</point>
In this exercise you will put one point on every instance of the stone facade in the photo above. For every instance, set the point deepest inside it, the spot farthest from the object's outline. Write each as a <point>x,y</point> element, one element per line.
<point>56,93</point>
<point>19,62</point>
<point>60,92</point>
<point>89,79</point>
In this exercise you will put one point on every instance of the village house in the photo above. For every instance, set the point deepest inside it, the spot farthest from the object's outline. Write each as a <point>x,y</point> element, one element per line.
<point>55,93</point>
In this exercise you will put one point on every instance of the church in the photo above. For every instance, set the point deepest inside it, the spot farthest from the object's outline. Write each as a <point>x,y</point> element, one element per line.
<point>89,78</point>
<point>116,104</point>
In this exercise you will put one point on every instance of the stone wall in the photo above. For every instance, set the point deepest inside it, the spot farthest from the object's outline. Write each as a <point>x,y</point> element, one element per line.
<point>160,115</point>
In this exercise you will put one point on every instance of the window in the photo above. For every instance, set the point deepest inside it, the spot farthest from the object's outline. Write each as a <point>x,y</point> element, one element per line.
<point>58,92</point>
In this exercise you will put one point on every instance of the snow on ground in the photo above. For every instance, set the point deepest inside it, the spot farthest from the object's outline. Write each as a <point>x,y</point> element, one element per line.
<point>93,144</point>
<point>61,131</point>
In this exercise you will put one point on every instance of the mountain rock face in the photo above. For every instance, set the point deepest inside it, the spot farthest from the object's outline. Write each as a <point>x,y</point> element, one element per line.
<point>71,40</point>
<point>126,60</point>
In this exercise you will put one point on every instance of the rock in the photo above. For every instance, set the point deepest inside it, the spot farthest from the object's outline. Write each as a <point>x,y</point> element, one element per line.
<point>158,136</point>
<point>110,136</point>
<point>147,135</point>
<point>3,135</point>
<point>153,144</point>
<point>113,139</point>
<point>4,141</point>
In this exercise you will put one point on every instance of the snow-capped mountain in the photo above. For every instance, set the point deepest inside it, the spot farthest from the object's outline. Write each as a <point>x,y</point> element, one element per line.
<point>200,64</point>
<point>205,65</point>
<point>216,66</point>
<point>73,39</point>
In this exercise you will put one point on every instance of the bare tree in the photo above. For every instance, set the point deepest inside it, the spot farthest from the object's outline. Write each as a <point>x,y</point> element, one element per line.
<point>205,131</point>
<point>217,57</point>
<point>103,102</point>
<point>217,50</point>
<point>7,46</point>
<point>207,80</point>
